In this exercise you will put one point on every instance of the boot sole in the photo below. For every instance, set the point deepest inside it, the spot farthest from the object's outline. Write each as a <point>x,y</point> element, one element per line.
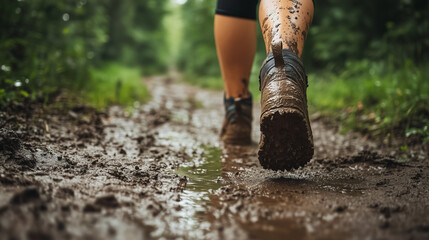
<point>286,139</point>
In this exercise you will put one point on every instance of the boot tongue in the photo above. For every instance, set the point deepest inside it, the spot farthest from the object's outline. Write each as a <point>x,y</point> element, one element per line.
<point>237,104</point>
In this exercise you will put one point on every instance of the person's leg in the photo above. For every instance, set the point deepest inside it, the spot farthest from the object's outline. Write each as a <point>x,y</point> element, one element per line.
<point>286,138</point>
<point>287,21</point>
<point>235,37</point>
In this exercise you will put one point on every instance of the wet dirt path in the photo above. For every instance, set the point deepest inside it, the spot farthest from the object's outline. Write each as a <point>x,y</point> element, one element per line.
<point>161,172</point>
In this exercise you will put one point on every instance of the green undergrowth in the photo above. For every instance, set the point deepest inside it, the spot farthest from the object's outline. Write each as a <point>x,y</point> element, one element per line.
<point>115,84</point>
<point>106,85</point>
<point>375,97</point>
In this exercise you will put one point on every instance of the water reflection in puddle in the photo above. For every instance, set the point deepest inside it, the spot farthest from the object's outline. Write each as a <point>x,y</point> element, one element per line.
<point>204,177</point>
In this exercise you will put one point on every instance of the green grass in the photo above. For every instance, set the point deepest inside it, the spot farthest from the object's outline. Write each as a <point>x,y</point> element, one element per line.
<point>375,97</point>
<point>109,84</point>
<point>115,84</point>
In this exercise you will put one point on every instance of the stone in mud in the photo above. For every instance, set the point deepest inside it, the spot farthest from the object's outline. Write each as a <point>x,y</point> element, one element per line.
<point>122,151</point>
<point>108,201</point>
<point>340,209</point>
<point>28,195</point>
<point>146,141</point>
<point>9,141</point>
<point>90,208</point>
<point>24,157</point>
<point>11,146</point>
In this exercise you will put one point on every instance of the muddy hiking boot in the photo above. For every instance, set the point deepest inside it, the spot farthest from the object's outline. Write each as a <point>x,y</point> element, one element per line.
<point>286,138</point>
<point>237,124</point>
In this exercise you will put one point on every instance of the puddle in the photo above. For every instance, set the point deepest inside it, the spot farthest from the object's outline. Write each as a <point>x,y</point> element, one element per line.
<point>203,173</point>
<point>204,177</point>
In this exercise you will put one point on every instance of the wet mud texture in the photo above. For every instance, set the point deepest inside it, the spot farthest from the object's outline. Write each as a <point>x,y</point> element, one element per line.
<point>160,172</point>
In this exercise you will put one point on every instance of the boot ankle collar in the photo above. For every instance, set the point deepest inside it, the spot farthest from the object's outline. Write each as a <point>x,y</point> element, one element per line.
<point>233,105</point>
<point>293,67</point>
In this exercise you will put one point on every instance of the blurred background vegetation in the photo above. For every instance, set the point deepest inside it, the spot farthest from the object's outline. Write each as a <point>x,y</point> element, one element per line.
<point>90,47</point>
<point>368,61</point>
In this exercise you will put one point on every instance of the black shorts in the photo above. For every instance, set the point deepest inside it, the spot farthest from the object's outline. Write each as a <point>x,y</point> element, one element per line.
<point>238,8</point>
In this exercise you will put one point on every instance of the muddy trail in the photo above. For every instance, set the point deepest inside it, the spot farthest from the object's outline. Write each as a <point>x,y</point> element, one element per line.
<point>160,172</point>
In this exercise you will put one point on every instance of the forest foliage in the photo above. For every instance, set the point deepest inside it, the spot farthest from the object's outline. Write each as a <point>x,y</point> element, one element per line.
<point>49,45</point>
<point>367,61</point>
